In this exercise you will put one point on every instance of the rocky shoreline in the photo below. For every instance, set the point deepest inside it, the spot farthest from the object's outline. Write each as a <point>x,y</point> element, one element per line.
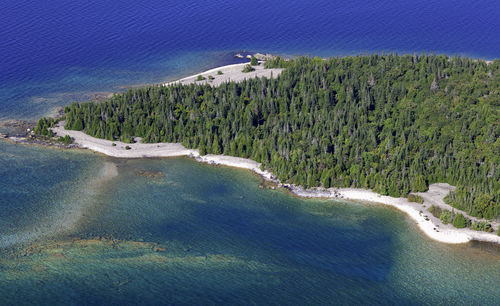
<point>430,225</point>
<point>37,141</point>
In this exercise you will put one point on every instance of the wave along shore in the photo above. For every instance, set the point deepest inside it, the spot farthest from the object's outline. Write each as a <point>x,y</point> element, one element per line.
<point>430,225</point>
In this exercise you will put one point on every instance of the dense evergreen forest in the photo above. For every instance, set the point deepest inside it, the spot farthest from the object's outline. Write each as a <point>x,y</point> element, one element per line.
<point>391,123</point>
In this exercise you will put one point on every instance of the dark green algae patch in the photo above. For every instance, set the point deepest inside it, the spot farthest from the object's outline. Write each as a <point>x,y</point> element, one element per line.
<point>53,256</point>
<point>106,271</point>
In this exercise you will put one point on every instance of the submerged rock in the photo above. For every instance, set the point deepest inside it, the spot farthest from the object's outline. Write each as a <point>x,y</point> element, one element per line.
<point>149,173</point>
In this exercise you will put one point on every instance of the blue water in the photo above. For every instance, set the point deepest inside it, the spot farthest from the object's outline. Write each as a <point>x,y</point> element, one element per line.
<point>199,234</point>
<point>55,52</point>
<point>79,228</point>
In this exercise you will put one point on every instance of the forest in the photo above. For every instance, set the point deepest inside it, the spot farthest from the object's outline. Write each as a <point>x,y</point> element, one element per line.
<point>391,123</point>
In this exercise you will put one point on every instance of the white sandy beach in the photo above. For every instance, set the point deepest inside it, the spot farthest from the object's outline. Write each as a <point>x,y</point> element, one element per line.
<point>229,73</point>
<point>137,150</point>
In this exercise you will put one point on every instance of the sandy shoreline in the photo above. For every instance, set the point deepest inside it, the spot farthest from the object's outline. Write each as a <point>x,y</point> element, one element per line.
<point>137,150</point>
<point>229,73</point>
<point>431,226</point>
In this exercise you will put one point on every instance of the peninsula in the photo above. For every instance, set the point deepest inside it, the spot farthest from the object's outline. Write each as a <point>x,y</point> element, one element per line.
<point>339,127</point>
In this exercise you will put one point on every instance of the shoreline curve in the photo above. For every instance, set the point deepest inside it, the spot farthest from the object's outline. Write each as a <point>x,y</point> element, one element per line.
<point>426,222</point>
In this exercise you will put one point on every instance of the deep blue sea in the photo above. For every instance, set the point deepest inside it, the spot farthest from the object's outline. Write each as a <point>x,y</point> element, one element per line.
<point>54,52</point>
<point>80,228</point>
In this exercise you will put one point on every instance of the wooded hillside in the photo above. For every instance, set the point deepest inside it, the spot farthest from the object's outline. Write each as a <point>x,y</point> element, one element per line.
<point>391,123</point>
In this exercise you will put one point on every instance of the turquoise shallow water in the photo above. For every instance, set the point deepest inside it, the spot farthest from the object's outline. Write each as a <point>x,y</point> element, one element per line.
<point>37,186</point>
<point>196,234</point>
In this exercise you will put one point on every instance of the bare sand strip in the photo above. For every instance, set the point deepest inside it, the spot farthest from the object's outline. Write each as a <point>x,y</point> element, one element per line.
<point>137,150</point>
<point>431,226</point>
<point>229,73</point>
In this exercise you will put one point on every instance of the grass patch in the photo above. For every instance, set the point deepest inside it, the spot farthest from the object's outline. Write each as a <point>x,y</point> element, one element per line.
<point>415,198</point>
<point>435,211</point>
<point>248,68</point>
